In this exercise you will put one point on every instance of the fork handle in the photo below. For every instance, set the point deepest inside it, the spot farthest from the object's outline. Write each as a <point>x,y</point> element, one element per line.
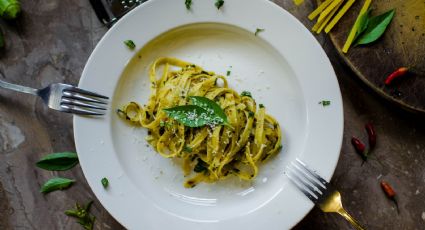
<point>18,88</point>
<point>350,219</point>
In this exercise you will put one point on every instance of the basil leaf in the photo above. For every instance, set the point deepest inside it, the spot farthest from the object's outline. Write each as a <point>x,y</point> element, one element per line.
<point>213,109</point>
<point>376,28</point>
<point>57,183</point>
<point>189,115</point>
<point>258,30</point>
<point>363,23</point>
<point>58,161</point>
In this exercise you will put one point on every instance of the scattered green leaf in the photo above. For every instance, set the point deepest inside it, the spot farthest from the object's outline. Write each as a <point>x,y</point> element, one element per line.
<point>258,30</point>
<point>228,73</point>
<point>130,44</point>
<point>56,183</point>
<point>10,9</point>
<point>84,218</point>
<point>105,182</point>
<point>251,114</point>
<point>219,3</point>
<point>58,161</point>
<point>188,4</point>
<point>261,106</point>
<point>375,28</point>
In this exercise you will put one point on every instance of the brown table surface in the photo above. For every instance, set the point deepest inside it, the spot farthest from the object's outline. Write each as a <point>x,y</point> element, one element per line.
<point>51,43</point>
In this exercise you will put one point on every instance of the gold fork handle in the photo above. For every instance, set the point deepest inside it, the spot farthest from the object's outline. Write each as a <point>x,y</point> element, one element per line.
<point>350,219</point>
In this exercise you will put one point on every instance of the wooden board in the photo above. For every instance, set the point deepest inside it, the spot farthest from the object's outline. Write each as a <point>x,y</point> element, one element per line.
<point>403,44</point>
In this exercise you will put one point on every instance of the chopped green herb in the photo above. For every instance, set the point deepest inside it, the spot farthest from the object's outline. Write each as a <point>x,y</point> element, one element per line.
<point>219,3</point>
<point>187,149</point>
<point>105,182</point>
<point>261,106</point>
<point>228,72</point>
<point>325,103</point>
<point>130,44</point>
<point>246,94</point>
<point>188,4</point>
<point>85,219</point>
<point>258,30</point>
<point>251,114</point>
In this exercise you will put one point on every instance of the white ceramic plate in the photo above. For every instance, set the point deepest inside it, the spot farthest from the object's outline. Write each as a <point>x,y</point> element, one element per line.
<point>283,67</point>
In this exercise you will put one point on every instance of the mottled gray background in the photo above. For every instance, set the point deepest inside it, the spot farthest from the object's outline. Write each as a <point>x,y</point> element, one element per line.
<point>51,42</point>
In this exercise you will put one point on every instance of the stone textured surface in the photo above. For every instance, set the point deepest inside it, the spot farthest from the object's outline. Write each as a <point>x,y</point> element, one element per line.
<point>51,43</point>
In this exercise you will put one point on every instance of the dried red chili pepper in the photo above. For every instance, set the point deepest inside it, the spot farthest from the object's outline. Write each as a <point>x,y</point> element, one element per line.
<point>372,135</point>
<point>396,74</point>
<point>389,191</point>
<point>359,147</point>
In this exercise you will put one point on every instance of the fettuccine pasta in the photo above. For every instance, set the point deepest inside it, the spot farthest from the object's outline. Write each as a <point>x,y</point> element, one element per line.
<point>211,152</point>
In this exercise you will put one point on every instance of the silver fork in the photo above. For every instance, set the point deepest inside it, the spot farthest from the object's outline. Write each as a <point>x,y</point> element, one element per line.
<point>318,190</point>
<point>65,98</point>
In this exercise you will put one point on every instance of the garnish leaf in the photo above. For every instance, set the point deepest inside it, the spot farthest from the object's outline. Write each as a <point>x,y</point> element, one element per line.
<point>376,28</point>
<point>213,109</point>
<point>188,4</point>
<point>56,183</point>
<point>258,30</point>
<point>189,115</point>
<point>58,161</point>
<point>84,218</point>
<point>219,3</point>
<point>130,44</point>
<point>325,103</point>
<point>105,182</point>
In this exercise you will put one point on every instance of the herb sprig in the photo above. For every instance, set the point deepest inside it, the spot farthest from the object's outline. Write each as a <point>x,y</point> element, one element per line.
<point>84,218</point>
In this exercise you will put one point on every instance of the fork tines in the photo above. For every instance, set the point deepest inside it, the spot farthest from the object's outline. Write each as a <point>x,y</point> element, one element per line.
<point>306,180</point>
<point>83,102</point>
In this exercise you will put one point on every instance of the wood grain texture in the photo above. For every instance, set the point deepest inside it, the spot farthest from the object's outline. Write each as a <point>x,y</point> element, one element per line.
<point>51,43</point>
<point>403,44</point>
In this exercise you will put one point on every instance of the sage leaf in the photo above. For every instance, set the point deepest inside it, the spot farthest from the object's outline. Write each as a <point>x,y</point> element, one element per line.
<point>213,109</point>
<point>56,183</point>
<point>376,28</point>
<point>189,115</point>
<point>58,161</point>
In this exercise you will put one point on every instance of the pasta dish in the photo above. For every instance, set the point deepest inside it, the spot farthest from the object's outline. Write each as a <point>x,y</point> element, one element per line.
<point>193,115</point>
